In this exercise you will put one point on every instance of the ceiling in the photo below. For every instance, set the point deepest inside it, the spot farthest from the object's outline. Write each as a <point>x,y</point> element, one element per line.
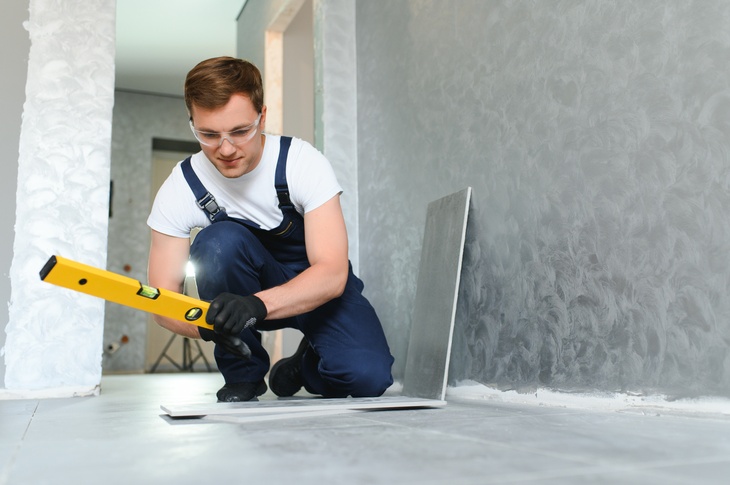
<point>159,41</point>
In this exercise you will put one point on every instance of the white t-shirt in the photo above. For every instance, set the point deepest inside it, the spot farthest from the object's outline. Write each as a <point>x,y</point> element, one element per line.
<point>310,177</point>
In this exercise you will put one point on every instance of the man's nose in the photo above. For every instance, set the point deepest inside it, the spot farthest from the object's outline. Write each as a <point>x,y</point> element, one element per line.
<point>227,145</point>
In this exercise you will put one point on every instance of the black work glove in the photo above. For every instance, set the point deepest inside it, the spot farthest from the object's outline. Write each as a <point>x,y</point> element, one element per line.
<point>230,314</point>
<point>231,343</point>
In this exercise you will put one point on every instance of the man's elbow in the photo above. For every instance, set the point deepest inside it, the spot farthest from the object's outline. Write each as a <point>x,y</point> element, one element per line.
<point>158,320</point>
<point>163,322</point>
<point>339,290</point>
<point>340,283</point>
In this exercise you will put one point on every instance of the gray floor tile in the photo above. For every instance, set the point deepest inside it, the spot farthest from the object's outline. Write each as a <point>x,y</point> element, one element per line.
<point>23,407</point>
<point>707,471</point>
<point>7,453</point>
<point>12,429</point>
<point>14,419</point>
<point>122,436</point>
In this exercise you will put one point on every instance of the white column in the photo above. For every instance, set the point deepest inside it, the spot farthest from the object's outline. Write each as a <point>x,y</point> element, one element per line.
<point>54,336</point>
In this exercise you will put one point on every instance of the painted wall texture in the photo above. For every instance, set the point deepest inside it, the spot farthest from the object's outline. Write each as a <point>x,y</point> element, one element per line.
<point>335,91</point>
<point>595,135</point>
<point>137,120</point>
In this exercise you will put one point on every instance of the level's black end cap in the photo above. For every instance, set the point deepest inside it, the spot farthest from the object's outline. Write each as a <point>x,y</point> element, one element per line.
<point>48,267</point>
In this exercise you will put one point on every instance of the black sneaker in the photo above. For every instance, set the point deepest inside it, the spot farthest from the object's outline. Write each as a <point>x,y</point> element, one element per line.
<point>241,391</point>
<point>285,377</point>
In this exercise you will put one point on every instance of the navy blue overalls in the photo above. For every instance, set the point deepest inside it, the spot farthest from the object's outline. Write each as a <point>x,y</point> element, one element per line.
<point>348,352</point>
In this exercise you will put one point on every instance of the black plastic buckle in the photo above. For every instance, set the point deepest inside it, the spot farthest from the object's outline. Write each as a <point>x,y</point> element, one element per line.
<point>284,200</point>
<point>210,206</point>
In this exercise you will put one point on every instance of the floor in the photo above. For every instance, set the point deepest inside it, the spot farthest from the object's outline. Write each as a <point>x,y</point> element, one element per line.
<point>123,437</point>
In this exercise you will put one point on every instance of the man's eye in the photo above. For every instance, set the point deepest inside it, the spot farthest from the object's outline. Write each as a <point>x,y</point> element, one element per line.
<point>209,136</point>
<point>243,132</point>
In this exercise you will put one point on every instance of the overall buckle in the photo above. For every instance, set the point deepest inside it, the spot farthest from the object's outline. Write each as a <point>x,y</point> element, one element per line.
<point>208,204</point>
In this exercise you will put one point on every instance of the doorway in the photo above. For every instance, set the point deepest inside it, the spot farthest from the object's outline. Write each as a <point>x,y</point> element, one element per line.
<point>289,88</point>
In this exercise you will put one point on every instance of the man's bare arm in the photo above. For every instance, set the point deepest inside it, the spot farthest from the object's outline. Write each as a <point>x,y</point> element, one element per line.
<point>325,279</point>
<point>167,261</point>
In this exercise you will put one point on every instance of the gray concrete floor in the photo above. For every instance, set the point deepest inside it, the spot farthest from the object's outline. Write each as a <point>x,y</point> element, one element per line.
<point>122,436</point>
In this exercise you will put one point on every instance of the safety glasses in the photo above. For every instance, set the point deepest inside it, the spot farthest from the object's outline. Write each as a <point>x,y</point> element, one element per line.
<point>237,137</point>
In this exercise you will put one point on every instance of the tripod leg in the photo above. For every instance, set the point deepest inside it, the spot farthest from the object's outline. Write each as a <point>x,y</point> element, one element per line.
<point>163,354</point>
<point>201,355</point>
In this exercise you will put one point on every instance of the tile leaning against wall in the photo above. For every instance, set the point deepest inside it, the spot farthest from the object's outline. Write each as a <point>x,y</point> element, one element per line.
<point>595,135</point>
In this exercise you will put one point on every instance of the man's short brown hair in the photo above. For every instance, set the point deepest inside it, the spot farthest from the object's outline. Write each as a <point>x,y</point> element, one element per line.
<point>211,83</point>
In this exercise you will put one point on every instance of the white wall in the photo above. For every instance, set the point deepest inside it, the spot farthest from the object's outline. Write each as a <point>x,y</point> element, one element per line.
<point>14,50</point>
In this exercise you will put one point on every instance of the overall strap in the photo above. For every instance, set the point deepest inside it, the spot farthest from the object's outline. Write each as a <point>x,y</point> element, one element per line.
<point>282,188</point>
<point>205,199</point>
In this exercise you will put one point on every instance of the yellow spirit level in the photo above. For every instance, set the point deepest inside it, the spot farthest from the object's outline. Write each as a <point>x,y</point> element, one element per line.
<point>124,290</point>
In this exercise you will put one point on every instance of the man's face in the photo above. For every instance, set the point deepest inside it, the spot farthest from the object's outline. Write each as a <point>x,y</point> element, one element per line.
<point>229,135</point>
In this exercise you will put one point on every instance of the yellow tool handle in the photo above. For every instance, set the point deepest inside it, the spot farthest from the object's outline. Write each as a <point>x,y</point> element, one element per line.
<point>124,290</point>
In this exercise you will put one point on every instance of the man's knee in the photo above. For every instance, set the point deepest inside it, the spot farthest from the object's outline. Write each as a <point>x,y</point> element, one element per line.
<point>362,374</point>
<point>224,260</point>
<point>372,380</point>
<point>216,246</point>
<point>224,237</point>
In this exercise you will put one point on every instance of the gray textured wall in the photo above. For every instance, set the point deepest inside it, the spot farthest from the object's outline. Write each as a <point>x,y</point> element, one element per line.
<point>138,118</point>
<point>596,137</point>
<point>14,57</point>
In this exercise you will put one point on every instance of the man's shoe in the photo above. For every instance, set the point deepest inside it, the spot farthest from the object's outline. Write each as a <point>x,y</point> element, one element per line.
<point>241,391</point>
<point>285,377</point>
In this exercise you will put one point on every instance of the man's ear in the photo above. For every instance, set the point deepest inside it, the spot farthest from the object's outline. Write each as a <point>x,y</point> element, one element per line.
<point>262,123</point>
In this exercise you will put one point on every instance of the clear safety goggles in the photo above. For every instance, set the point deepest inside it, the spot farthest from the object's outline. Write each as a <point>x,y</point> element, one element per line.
<point>237,137</point>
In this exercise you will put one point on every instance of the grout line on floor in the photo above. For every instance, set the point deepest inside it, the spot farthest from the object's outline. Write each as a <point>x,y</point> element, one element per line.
<point>30,420</point>
<point>5,472</point>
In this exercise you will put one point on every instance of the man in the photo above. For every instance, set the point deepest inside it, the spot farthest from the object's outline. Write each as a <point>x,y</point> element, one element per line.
<point>272,252</point>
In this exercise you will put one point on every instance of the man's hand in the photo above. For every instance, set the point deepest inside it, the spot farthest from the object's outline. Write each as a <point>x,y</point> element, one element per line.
<point>231,343</point>
<point>230,314</point>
